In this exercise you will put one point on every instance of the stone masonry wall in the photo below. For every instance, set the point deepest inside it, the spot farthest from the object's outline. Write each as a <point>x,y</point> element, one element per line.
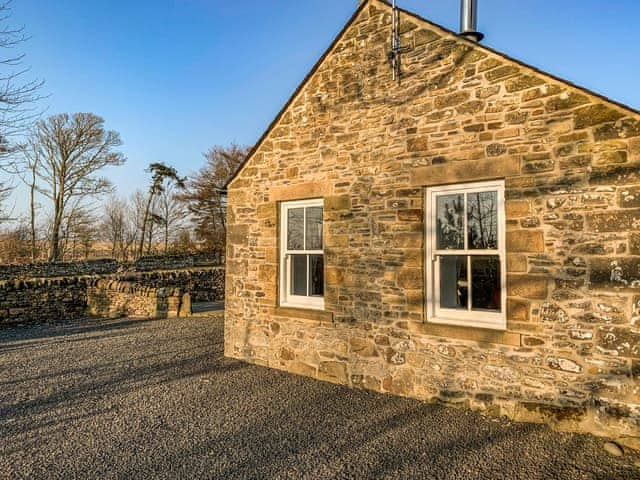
<point>116,298</point>
<point>43,300</point>
<point>61,269</point>
<point>108,266</point>
<point>369,147</point>
<point>204,284</point>
<point>142,294</point>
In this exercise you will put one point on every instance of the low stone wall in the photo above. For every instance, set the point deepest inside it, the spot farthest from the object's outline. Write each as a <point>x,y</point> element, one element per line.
<point>204,284</point>
<point>62,269</point>
<point>43,300</point>
<point>115,298</point>
<point>108,266</point>
<point>142,294</point>
<point>175,262</point>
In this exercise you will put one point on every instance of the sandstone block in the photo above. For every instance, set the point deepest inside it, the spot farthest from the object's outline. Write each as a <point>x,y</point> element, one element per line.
<point>452,100</point>
<point>517,208</point>
<point>614,221</point>
<point>418,144</point>
<point>522,82</point>
<point>267,273</point>
<point>410,215</point>
<point>337,203</point>
<point>363,347</point>
<point>527,286</point>
<point>518,310</point>
<point>501,73</point>
<point>410,278</point>
<point>531,241</point>
<point>594,115</point>
<point>516,263</point>
<point>335,372</point>
<point>566,101</point>
<point>619,341</point>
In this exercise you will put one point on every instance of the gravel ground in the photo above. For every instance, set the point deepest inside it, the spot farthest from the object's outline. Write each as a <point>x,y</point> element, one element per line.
<point>156,399</point>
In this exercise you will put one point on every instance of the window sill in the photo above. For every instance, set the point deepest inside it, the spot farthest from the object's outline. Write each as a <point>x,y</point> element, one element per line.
<point>321,316</point>
<point>499,326</point>
<point>474,334</point>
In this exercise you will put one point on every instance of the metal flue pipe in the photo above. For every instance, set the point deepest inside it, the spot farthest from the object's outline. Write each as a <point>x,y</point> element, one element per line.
<point>469,20</point>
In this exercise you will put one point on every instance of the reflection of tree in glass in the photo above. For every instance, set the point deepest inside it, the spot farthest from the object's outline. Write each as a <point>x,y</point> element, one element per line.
<point>295,229</point>
<point>450,223</point>
<point>482,220</point>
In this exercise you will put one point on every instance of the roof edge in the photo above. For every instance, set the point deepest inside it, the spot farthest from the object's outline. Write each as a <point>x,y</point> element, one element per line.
<point>302,84</point>
<point>516,61</point>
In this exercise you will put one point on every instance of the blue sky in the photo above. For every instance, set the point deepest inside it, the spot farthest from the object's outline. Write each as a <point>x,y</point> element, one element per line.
<point>175,77</point>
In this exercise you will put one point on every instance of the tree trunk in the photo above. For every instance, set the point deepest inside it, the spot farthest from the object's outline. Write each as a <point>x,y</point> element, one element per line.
<point>32,200</point>
<point>144,225</point>
<point>150,239</point>
<point>166,237</point>
<point>54,250</point>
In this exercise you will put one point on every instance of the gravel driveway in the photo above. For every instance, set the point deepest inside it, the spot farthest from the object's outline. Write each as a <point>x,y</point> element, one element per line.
<point>156,399</point>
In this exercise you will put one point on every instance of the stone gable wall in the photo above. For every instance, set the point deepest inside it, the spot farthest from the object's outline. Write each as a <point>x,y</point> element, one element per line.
<point>369,147</point>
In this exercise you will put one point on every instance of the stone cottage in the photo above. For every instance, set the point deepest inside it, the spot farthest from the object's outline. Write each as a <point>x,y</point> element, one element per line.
<point>469,234</point>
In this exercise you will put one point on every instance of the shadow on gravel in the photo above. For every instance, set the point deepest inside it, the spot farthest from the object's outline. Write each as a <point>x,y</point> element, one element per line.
<point>47,331</point>
<point>119,382</point>
<point>161,401</point>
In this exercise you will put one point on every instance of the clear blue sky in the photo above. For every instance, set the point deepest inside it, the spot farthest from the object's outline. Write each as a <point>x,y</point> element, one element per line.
<point>175,77</point>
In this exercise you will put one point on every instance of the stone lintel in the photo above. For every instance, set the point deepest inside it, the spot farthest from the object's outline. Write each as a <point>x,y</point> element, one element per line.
<point>300,191</point>
<point>465,171</point>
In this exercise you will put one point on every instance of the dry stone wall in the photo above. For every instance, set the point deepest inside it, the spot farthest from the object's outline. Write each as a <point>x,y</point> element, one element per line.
<point>109,266</point>
<point>142,294</point>
<point>369,146</point>
<point>175,262</point>
<point>61,269</point>
<point>117,298</point>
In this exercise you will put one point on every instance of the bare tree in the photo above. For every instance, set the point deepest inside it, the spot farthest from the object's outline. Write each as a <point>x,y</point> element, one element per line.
<point>204,194</point>
<point>5,193</point>
<point>161,176</point>
<point>18,95</point>
<point>14,243</point>
<point>114,225</point>
<point>172,214</point>
<point>138,204</point>
<point>78,233</point>
<point>72,150</point>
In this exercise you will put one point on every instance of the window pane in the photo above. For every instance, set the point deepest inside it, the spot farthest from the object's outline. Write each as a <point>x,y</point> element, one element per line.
<point>450,222</point>
<point>454,291</point>
<point>485,283</point>
<point>299,275</point>
<point>316,275</point>
<point>314,228</point>
<point>295,229</point>
<point>482,220</point>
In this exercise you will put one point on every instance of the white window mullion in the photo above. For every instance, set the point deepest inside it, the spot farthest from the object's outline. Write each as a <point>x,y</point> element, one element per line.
<point>464,223</point>
<point>469,283</point>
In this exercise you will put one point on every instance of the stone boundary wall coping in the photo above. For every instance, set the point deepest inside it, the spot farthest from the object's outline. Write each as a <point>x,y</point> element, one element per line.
<point>108,266</point>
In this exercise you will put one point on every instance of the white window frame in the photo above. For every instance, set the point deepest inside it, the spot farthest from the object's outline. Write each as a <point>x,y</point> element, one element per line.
<point>434,313</point>
<point>287,299</point>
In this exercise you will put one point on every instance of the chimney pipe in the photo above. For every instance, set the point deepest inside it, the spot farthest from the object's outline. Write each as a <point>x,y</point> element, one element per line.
<point>469,20</point>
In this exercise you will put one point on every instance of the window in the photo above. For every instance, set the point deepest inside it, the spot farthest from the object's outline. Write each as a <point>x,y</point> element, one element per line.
<point>301,254</point>
<point>466,274</point>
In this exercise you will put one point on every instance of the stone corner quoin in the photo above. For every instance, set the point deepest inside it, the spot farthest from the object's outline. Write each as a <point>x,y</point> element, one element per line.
<point>369,147</point>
